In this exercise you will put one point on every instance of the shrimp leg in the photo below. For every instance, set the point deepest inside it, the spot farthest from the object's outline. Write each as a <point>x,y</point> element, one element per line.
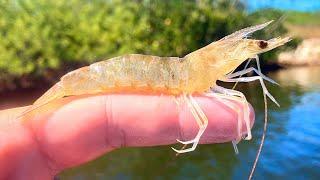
<point>245,71</point>
<point>244,101</point>
<point>254,78</point>
<point>233,107</point>
<point>265,93</point>
<point>202,122</point>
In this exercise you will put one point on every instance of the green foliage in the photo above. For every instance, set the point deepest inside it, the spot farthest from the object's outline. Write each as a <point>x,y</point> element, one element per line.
<point>289,17</point>
<point>38,35</point>
<point>303,18</point>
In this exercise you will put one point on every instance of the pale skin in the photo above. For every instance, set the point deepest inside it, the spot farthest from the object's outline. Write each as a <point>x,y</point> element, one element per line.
<point>66,133</point>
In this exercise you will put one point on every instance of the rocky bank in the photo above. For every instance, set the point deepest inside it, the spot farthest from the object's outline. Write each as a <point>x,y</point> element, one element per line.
<point>307,53</point>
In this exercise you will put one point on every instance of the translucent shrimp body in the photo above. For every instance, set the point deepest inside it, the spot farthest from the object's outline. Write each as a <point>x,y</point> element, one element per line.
<point>133,73</point>
<point>197,72</point>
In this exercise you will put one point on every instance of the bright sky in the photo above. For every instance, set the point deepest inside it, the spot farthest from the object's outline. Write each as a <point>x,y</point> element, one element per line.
<point>299,5</point>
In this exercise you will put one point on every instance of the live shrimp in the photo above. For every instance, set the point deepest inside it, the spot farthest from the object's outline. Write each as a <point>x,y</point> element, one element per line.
<point>196,73</point>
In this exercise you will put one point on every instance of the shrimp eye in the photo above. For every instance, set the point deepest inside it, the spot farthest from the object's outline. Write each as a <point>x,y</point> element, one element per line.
<point>263,44</point>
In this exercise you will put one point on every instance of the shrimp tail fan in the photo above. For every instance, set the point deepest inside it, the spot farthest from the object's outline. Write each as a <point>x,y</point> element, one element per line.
<point>243,33</point>
<point>55,92</point>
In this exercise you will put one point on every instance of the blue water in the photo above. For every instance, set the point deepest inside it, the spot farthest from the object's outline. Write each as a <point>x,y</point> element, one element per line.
<point>299,5</point>
<point>292,146</point>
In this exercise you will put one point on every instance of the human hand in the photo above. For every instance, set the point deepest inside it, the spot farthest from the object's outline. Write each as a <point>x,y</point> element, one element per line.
<point>74,130</point>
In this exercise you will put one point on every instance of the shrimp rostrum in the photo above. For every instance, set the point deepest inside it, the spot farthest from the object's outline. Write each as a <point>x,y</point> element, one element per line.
<point>196,73</point>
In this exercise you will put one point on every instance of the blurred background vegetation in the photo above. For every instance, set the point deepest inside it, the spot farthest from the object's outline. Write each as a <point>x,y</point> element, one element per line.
<point>41,40</point>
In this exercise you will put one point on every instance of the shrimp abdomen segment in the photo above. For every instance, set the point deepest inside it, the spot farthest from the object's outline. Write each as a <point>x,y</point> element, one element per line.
<point>132,73</point>
<point>55,92</point>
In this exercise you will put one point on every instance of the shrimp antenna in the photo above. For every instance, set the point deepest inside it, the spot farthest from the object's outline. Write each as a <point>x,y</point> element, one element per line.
<point>262,138</point>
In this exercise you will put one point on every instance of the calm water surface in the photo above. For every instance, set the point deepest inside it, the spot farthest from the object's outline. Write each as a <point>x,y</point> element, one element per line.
<point>291,148</point>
